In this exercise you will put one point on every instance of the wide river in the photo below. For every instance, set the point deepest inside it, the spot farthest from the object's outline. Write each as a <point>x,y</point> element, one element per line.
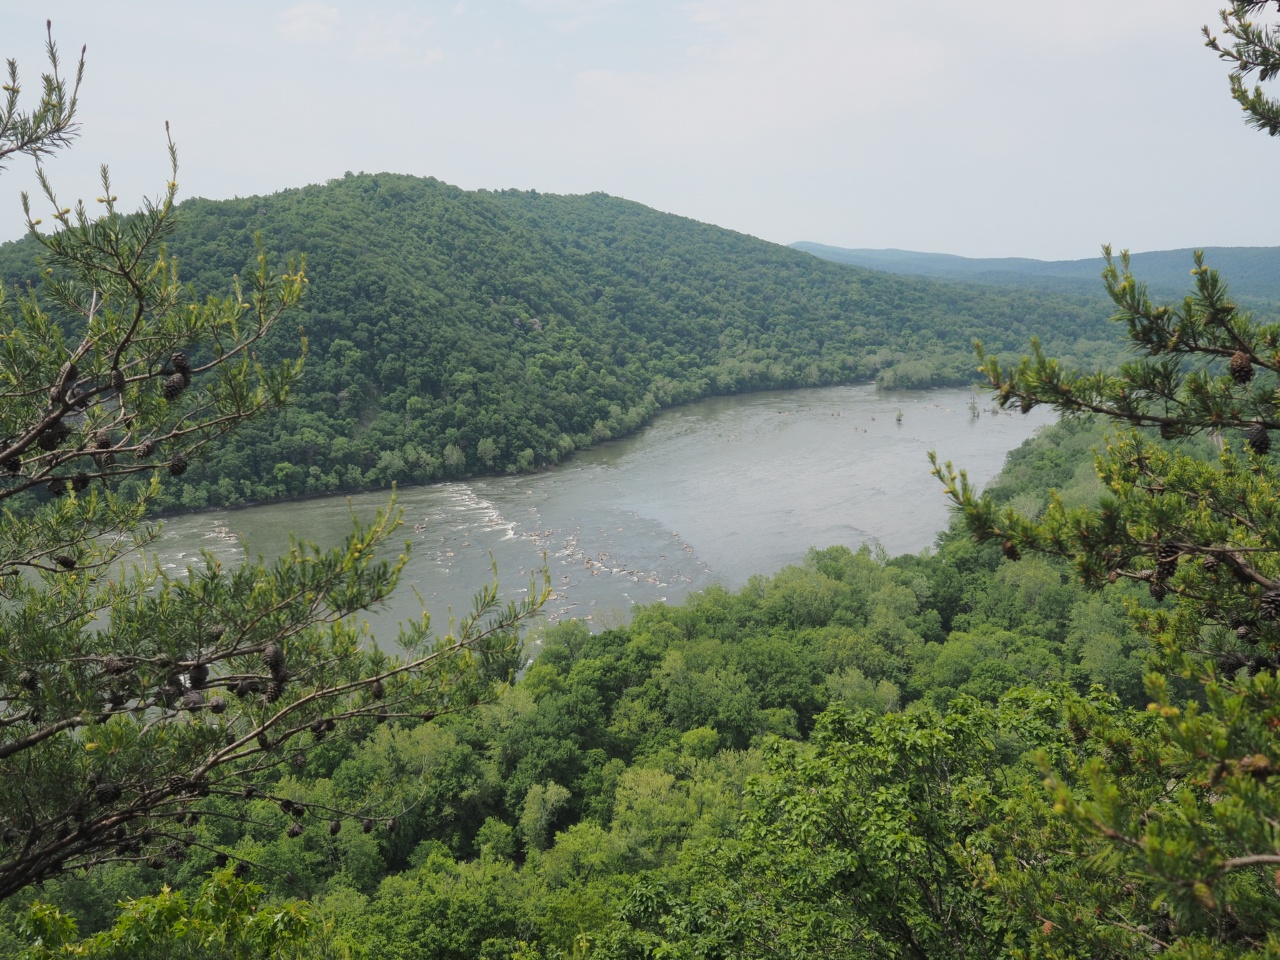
<point>708,493</point>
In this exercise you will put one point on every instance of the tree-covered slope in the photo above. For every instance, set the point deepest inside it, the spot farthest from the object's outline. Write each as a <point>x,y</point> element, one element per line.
<point>453,332</point>
<point>1254,272</point>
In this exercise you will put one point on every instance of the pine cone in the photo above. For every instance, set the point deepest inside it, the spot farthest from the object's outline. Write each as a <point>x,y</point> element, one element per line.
<point>173,386</point>
<point>193,700</point>
<point>1158,590</point>
<point>57,486</point>
<point>178,465</point>
<point>1230,662</point>
<point>242,869</point>
<point>1210,562</point>
<point>295,829</point>
<point>244,688</point>
<point>1244,633</point>
<point>105,793</point>
<point>115,665</point>
<point>1269,608</point>
<point>102,440</point>
<point>274,691</point>
<point>1166,560</point>
<point>181,364</point>
<point>53,436</point>
<point>273,657</point>
<point>1258,438</point>
<point>198,675</point>
<point>145,449</point>
<point>218,705</point>
<point>391,825</point>
<point>1241,367</point>
<point>334,827</point>
<point>116,380</point>
<point>376,691</point>
<point>366,825</point>
<point>65,562</point>
<point>80,482</point>
<point>29,680</point>
<point>13,464</point>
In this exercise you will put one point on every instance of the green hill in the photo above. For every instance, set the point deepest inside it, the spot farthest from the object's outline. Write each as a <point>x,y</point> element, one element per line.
<point>453,332</point>
<point>1252,272</point>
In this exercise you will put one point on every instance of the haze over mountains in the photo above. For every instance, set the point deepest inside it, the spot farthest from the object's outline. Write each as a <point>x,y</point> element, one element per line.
<point>1252,273</point>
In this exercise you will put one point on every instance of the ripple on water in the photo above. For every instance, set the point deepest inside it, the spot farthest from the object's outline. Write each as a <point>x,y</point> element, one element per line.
<point>716,490</point>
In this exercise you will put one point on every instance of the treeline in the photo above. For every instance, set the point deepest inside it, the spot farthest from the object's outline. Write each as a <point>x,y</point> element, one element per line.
<point>636,787</point>
<point>451,333</point>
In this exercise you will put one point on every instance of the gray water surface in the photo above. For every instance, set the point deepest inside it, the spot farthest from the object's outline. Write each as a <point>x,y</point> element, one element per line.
<point>708,493</point>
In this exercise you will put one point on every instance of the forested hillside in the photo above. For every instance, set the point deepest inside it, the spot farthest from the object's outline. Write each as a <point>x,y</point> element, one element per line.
<point>452,332</point>
<point>1254,272</point>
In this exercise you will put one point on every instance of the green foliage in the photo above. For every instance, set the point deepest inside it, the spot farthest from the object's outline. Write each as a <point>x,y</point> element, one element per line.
<point>224,920</point>
<point>49,125</point>
<point>855,845</point>
<point>1254,48</point>
<point>1182,819</point>
<point>454,332</point>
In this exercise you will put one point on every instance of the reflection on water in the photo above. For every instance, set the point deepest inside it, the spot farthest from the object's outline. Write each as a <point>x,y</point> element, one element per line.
<point>712,492</point>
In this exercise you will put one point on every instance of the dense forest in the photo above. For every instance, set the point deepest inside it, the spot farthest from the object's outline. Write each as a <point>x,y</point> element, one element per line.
<point>605,798</point>
<point>451,333</point>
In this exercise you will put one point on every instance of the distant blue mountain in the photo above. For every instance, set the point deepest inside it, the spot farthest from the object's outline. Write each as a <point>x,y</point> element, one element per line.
<point>1252,273</point>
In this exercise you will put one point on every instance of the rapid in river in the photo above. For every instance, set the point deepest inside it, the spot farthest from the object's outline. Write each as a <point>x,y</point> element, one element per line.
<point>708,493</point>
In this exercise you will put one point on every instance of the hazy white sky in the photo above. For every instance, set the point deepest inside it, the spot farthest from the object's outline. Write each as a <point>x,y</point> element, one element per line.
<point>978,127</point>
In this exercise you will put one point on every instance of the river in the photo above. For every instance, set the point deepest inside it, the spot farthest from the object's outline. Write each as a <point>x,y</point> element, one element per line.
<point>708,493</point>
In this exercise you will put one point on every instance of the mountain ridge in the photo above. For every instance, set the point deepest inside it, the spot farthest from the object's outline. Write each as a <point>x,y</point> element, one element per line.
<point>1252,273</point>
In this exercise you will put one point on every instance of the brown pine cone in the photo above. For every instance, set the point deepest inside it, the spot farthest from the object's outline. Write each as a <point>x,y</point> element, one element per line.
<point>1241,367</point>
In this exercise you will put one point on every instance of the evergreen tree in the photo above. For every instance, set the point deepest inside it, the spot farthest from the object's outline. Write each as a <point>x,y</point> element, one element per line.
<point>1196,522</point>
<point>128,697</point>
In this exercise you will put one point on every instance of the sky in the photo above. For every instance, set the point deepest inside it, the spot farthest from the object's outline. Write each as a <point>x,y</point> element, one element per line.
<point>973,127</point>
